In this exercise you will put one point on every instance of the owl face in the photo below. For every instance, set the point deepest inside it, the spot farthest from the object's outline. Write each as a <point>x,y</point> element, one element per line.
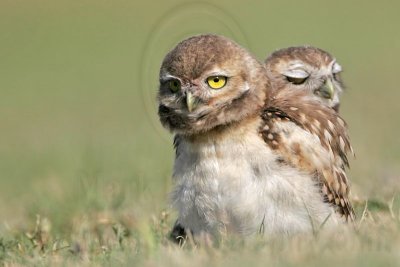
<point>307,68</point>
<point>205,82</point>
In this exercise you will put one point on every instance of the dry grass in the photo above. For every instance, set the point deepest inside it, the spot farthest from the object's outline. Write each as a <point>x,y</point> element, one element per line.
<point>118,238</point>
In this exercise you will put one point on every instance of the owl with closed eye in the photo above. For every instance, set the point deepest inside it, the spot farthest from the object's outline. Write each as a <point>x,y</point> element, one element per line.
<point>307,68</point>
<point>248,159</point>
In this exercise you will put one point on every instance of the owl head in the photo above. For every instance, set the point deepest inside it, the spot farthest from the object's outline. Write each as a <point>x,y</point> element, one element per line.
<point>307,68</point>
<point>209,82</point>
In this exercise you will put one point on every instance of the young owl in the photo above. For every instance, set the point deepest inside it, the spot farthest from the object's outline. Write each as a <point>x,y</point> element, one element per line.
<point>307,68</point>
<point>248,159</point>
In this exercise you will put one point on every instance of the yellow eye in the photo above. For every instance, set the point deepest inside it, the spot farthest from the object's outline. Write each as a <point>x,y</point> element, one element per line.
<point>216,82</point>
<point>174,85</point>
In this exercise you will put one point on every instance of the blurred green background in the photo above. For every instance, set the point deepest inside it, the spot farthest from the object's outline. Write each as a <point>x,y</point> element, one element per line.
<point>78,79</point>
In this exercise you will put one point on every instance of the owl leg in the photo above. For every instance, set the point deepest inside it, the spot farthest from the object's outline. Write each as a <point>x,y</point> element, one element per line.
<point>178,234</point>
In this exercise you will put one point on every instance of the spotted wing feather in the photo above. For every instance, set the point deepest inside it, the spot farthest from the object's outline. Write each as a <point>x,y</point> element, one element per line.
<point>312,138</point>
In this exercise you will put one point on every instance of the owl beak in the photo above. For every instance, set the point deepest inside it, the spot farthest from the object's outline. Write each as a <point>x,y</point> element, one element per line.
<point>327,90</point>
<point>191,101</point>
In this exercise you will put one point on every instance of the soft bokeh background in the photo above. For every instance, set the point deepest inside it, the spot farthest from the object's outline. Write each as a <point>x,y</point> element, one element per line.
<point>78,126</point>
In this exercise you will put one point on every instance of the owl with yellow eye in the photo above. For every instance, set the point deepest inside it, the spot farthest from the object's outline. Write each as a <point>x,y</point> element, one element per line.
<point>249,159</point>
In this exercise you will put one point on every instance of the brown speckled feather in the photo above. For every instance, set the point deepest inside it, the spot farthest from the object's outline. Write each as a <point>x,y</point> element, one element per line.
<point>282,117</point>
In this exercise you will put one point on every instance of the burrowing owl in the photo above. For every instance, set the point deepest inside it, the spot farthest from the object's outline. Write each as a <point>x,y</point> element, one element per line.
<point>307,68</point>
<point>248,158</point>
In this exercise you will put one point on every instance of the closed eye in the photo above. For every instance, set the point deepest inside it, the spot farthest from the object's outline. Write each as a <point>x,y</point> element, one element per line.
<point>296,76</point>
<point>296,80</point>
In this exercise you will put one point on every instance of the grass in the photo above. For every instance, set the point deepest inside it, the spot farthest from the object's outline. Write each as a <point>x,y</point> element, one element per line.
<point>118,238</point>
<point>85,166</point>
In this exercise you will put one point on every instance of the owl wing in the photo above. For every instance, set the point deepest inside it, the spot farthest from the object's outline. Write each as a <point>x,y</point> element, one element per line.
<point>313,138</point>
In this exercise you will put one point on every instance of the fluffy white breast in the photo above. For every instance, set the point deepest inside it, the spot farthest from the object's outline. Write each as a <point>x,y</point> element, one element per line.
<point>235,183</point>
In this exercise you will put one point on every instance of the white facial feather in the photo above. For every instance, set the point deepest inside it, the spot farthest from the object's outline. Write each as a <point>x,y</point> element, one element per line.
<point>336,68</point>
<point>296,73</point>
